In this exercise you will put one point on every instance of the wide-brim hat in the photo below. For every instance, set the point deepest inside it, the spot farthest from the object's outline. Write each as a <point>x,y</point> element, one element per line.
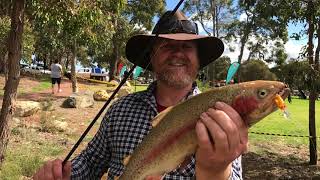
<point>175,27</point>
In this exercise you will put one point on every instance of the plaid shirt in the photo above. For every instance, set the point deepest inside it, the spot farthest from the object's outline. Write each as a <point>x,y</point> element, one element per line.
<point>124,126</point>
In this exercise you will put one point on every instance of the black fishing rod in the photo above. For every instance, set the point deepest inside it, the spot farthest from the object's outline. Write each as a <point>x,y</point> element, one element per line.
<point>142,55</point>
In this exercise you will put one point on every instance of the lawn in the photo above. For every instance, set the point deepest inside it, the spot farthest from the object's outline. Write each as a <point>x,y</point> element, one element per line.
<point>296,124</point>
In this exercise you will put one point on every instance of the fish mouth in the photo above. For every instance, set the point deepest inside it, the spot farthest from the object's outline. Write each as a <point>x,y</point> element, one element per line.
<point>284,92</point>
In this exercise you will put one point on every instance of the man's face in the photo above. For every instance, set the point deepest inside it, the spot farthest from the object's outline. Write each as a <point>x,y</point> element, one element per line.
<point>175,63</point>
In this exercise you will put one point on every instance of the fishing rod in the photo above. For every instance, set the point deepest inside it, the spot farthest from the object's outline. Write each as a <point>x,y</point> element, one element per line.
<point>142,55</point>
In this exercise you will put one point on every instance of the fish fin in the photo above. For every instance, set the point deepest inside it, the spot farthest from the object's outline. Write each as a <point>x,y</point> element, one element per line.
<point>159,117</point>
<point>116,177</point>
<point>126,160</point>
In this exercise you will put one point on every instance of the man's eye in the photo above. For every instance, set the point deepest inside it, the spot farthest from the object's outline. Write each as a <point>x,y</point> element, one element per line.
<point>166,46</point>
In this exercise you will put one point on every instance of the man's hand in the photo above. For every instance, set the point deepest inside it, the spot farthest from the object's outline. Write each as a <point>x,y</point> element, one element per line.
<point>222,137</point>
<point>53,170</point>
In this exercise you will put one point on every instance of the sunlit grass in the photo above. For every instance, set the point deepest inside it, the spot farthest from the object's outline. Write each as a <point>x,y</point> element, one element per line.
<point>297,124</point>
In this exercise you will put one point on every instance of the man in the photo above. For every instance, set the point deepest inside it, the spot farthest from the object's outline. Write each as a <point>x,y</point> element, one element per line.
<point>56,71</point>
<point>177,55</point>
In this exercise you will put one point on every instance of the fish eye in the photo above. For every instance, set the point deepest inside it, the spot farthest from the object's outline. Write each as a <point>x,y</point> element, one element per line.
<point>262,93</point>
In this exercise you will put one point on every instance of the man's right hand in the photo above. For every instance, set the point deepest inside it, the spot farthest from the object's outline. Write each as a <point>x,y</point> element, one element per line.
<point>53,170</point>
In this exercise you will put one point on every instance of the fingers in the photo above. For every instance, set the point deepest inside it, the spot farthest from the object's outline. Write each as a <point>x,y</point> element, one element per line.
<point>53,170</point>
<point>226,127</point>
<point>67,170</point>
<point>203,137</point>
<point>218,135</point>
<point>235,117</point>
<point>57,169</point>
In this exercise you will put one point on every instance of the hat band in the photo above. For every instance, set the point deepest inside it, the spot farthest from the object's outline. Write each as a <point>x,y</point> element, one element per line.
<point>176,26</point>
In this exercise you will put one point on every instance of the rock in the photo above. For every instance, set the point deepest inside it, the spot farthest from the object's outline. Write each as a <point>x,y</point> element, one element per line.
<point>101,95</point>
<point>60,125</point>
<point>79,101</point>
<point>26,108</point>
<point>113,83</point>
<point>70,102</point>
<point>124,91</point>
<point>128,84</point>
<point>47,106</point>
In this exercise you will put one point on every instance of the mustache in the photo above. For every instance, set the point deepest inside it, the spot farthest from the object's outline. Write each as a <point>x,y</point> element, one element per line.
<point>183,61</point>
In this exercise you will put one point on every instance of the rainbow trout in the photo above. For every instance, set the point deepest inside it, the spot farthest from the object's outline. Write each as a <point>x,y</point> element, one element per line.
<point>174,137</point>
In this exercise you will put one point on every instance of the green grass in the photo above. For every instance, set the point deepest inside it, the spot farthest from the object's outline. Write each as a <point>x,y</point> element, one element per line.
<point>26,153</point>
<point>138,88</point>
<point>45,83</point>
<point>26,159</point>
<point>297,124</point>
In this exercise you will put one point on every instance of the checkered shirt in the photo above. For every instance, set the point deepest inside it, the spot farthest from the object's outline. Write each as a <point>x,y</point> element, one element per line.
<point>124,126</point>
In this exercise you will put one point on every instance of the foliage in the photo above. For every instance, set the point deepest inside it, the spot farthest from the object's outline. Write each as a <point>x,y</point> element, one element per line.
<point>256,70</point>
<point>221,67</point>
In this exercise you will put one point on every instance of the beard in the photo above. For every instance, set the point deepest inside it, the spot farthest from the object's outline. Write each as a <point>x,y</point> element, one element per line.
<point>177,77</point>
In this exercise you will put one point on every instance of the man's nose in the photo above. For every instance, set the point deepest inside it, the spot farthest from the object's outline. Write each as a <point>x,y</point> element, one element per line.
<point>178,49</point>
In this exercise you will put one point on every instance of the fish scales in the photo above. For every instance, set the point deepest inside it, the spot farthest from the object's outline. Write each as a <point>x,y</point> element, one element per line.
<point>174,137</point>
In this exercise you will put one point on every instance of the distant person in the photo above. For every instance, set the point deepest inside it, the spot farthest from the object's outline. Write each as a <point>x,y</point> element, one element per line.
<point>56,73</point>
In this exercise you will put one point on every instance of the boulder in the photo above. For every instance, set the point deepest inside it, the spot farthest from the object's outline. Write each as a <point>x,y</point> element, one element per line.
<point>101,95</point>
<point>26,108</point>
<point>61,125</point>
<point>113,83</point>
<point>78,101</point>
<point>124,91</point>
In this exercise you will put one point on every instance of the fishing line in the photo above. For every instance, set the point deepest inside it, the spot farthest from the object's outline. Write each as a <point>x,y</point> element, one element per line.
<point>142,55</point>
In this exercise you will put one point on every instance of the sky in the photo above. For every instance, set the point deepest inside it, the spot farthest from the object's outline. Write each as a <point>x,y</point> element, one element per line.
<point>292,47</point>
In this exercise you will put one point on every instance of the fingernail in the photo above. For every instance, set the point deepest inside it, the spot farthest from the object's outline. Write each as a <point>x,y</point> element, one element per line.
<point>219,105</point>
<point>204,116</point>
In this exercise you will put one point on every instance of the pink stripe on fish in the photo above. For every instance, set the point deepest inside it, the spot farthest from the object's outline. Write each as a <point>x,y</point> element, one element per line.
<point>166,143</point>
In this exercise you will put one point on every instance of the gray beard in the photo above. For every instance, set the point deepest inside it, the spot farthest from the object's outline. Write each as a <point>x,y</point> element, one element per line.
<point>176,81</point>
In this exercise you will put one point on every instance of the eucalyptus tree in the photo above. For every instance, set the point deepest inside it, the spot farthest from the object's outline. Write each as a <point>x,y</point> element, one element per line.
<point>256,70</point>
<point>127,17</point>
<point>4,32</point>
<point>307,13</point>
<point>260,25</point>
<point>214,16</point>
<point>14,56</point>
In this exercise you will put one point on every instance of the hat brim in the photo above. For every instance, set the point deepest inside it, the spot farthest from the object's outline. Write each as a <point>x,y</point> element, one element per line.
<point>209,48</point>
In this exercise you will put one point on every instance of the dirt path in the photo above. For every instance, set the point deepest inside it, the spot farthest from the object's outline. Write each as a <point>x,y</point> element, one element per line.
<point>66,87</point>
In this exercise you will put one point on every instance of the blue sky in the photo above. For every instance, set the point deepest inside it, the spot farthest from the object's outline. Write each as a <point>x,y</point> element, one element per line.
<point>292,46</point>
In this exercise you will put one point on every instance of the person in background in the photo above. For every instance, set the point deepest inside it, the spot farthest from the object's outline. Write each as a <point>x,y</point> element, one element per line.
<point>56,74</point>
<point>175,59</point>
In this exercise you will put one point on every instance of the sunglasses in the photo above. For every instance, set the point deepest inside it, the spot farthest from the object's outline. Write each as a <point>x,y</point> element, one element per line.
<point>176,26</point>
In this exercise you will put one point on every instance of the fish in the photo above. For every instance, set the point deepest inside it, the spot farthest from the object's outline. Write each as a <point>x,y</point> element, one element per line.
<point>173,138</point>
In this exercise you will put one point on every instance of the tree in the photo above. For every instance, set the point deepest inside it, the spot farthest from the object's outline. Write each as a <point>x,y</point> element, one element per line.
<point>14,49</point>
<point>256,70</point>
<point>4,31</point>
<point>219,13</point>
<point>262,25</point>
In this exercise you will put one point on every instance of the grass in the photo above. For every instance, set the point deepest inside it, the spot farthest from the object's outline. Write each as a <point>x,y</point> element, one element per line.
<point>297,124</point>
<point>25,154</point>
<point>45,83</point>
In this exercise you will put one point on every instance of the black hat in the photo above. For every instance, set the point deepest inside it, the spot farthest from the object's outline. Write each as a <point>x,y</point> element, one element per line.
<point>176,27</point>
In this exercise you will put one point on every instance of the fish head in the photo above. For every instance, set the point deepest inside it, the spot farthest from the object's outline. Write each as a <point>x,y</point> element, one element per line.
<point>256,99</point>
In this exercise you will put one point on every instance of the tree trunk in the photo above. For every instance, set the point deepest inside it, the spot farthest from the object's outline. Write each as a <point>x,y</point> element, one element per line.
<point>10,93</point>
<point>312,96</point>
<point>73,68</point>
<point>211,70</point>
<point>2,63</point>
<point>115,53</point>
